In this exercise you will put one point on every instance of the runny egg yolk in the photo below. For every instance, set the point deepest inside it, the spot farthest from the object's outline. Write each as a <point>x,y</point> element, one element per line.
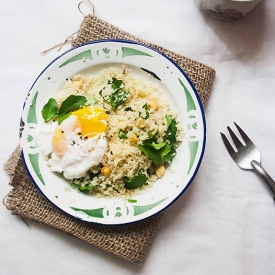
<point>91,121</point>
<point>85,122</point>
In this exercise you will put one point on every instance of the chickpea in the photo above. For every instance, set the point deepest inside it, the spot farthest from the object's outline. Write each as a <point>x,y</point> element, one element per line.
<point>133,138</point>
<point>105,171</point>
<point>140,123</point>
<point>141,94</point>
<point>153,104</point>
<point>78,84</point>
<point>160,171</point>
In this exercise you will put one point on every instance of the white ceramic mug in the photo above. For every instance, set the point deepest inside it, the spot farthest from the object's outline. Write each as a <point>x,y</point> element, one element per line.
<point>227,9</point>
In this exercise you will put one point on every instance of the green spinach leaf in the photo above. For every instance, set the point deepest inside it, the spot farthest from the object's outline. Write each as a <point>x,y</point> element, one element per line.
<point>49,110</point>
<point>171,130</point>
<point>171,138</point>
<point>158,146</point>
<point>71,103</point>
<point>163,152</point>
<point>151,152</point>
<point>152,149</point>
<point>62,117</point>
<point>135,182</point>
<point>169,157</point>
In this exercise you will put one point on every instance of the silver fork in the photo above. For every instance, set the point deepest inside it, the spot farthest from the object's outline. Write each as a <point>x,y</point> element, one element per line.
<point>247,156</point>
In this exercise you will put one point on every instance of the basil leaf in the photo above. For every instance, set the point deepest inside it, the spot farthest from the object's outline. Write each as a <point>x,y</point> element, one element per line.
<point>158,146</point>
<point>150,148</point>
<point>172,130</point>
<point>144,113</point>
<point>171,137</point>
<point>73,102</point>
<point>152,138</point>
<point>62,117</point>
<point>151,152</point>
<point>165,150</point>
<point>135,182</point>
<point>169,119</point>
<point>122,134</point>
<point>169,157</point>
<point>49,110</point>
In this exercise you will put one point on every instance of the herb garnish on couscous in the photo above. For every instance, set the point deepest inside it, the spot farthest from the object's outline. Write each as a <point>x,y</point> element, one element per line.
<point>110,135</point>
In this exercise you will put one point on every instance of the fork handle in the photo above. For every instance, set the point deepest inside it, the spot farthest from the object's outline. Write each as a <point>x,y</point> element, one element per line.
<point>264,175</point>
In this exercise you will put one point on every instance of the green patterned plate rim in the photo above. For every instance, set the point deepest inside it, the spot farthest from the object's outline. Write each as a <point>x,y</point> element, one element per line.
<point>145,61</point>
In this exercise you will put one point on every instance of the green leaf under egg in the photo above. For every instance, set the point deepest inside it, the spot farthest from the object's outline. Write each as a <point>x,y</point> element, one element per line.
<point>50,109</point>
<point>72,103</point>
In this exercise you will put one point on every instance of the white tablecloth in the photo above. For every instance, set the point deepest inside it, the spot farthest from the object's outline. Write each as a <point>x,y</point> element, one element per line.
<point>225,222</point>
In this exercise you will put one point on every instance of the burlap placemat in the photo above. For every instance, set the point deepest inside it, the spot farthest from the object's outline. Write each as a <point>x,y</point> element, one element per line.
<point>130,241</point>
<point>202,76</point>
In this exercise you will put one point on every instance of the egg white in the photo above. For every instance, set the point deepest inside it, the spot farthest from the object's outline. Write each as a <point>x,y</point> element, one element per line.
<point>81,155</point>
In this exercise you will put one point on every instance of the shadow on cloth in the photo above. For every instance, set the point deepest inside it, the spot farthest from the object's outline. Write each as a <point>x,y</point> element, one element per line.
<point>244,37</point>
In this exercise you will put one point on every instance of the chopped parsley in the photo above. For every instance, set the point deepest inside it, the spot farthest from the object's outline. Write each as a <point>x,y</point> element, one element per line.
<point>132,200</point>
<point>144,112</point>
<point>122,134</point>
<point>118,96</point>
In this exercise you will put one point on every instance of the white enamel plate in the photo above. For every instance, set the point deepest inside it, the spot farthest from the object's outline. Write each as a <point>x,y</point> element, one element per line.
<point>144,61</point>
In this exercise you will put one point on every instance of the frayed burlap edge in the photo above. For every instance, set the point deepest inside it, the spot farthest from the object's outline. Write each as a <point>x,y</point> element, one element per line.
<point>93,28</point>
<point>130,241</point>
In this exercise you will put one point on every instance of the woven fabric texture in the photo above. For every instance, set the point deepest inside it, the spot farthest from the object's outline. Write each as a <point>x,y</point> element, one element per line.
<point>202,76</point>
<point>130,241</point>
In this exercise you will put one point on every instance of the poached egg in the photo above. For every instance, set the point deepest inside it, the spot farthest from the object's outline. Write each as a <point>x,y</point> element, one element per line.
<point>77,144</point>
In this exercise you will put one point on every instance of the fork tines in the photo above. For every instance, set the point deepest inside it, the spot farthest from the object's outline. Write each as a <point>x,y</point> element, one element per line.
<point>235,139</point>
<point>227,145</point>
